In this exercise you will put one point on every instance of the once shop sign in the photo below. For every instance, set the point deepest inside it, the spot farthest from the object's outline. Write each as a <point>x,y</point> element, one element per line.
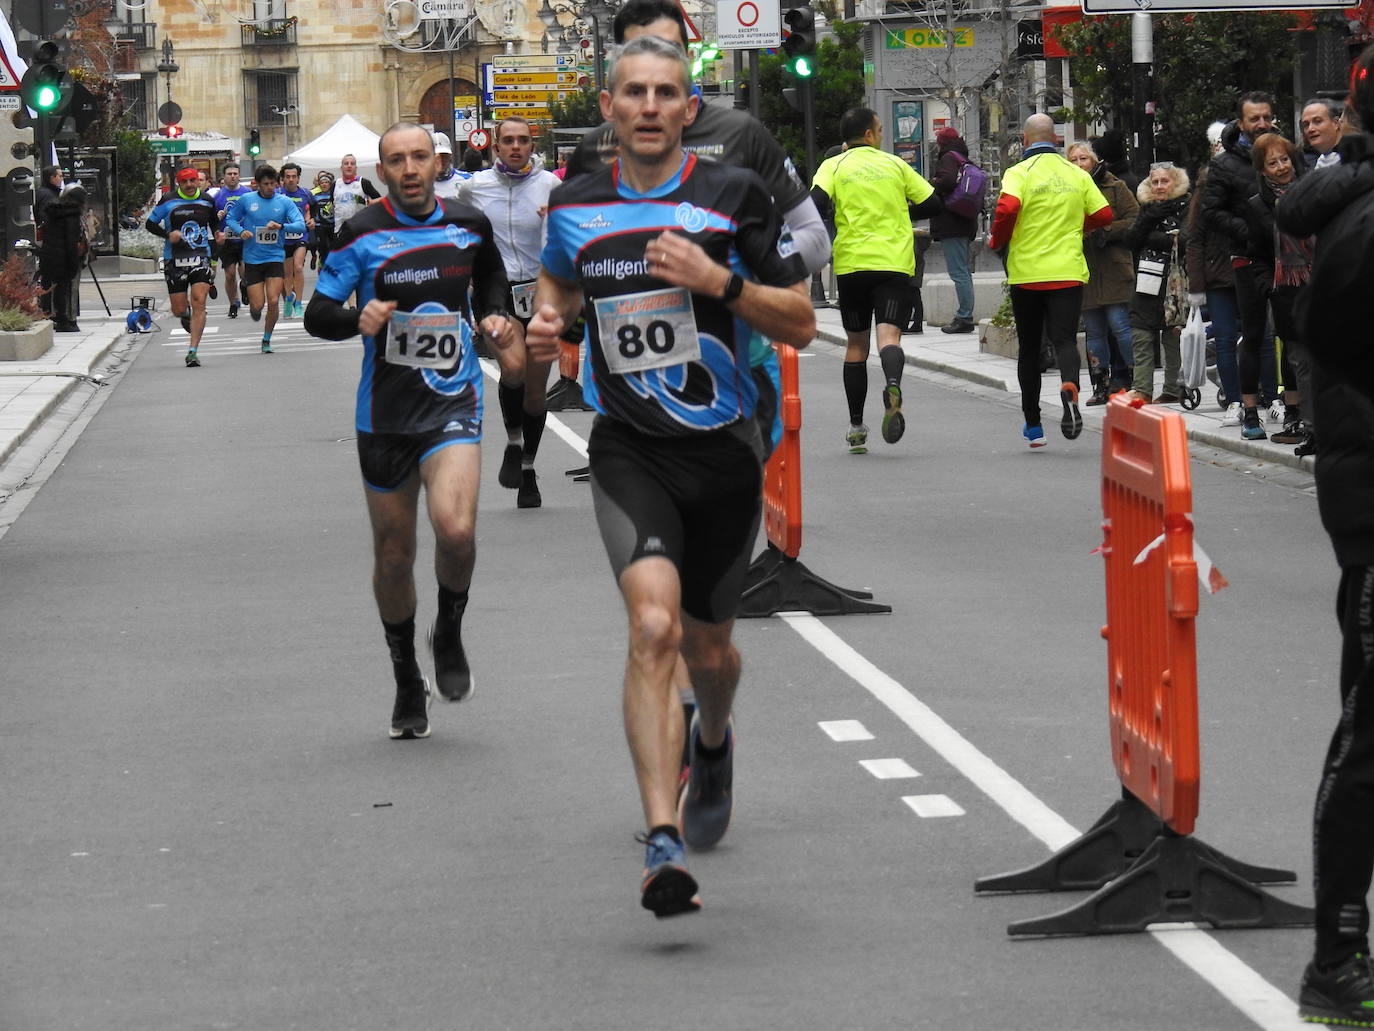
<point>908,39</point>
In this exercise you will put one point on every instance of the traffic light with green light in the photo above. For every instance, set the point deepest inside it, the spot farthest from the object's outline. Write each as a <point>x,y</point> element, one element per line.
<point>705,52</point>
<point>46,88</point>
<point>254,143</point>
<point>800,44</point>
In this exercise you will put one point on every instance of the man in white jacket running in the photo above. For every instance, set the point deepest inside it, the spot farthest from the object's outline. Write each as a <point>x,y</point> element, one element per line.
<point>514,194</point>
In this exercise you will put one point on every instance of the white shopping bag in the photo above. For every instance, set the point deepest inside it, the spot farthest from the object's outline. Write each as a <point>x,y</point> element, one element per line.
<point>1193,350</point>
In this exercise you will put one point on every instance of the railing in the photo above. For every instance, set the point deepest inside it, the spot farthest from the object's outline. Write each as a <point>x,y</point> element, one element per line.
<point>142,35</point>
<point>270,32</point>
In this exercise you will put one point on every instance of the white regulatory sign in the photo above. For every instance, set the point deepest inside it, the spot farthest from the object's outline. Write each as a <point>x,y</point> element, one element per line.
<point>437,10</point>
<point>9,101</point>
<point>747,24</point>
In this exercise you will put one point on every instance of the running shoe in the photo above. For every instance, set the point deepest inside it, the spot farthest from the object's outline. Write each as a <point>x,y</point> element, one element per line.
<point>1308,447</point>
<point>1232,415</point>
<point>1253,431</point>
<point>667,889</point>
<point>893,423</point>
<point>185,319</point>
<point>528,496</point>
<point>1071,425</point>
<point>1278,412</point>
<point>857,439</point>
<point>288,306</point>
<point>233,309</point>
<point>255,314</point>
<point>1342,995</point>
<point>410,714</point>
<point>509,476</point>
<point>708,797</point>
<point>1290,434</point>
<point>192,359</point>
<point>243,291</point>
<point>1035,435</point>
<point>214,292</point>
<point>451,672</point>
<point>266,348</point>
<point>300,309</point>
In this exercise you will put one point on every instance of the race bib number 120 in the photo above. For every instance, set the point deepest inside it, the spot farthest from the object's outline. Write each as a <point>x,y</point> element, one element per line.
<point>647,331</point>
<point>425,340</point>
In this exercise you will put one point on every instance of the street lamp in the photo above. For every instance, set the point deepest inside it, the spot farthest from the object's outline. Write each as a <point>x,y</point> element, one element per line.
<point>168,67</point>
<point>284,111</point>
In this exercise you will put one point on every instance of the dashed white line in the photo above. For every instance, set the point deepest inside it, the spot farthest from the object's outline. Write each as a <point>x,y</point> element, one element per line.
<point>888,769</point>
<point>845,730</point>
<point>929,806</point>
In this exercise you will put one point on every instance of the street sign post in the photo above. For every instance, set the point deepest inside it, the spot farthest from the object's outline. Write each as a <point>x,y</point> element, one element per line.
<point>169,146</point>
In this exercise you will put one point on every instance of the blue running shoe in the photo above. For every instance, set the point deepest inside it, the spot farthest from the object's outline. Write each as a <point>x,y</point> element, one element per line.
<point>1035,435</point>
<point>667,889</point>
<point>708,797</point>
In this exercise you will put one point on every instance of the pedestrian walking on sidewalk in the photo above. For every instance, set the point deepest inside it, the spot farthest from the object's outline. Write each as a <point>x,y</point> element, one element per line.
<point>954,231</point>
<point>1337,205</point>
<point>1047,204</point>
<point>875,261</point>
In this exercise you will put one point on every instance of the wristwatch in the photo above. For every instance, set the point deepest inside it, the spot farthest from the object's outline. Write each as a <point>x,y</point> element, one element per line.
<point>734,286</point>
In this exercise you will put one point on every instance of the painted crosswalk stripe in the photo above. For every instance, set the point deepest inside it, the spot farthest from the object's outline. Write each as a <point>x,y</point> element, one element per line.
<point>929,806</point>
<point>888,769</point>
<point>845,730</point>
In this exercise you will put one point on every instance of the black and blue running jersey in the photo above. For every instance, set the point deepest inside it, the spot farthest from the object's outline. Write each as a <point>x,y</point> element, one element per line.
<point>420,372</point>
<point>194,218</point>
<point>665,361</point>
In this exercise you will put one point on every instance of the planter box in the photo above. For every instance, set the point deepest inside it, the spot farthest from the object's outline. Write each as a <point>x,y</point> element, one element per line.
<point>999,340</point>
<point>24,345</point>
<point>137,266</point>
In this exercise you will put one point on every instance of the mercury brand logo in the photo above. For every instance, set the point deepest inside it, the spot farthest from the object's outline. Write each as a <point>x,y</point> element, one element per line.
<point>690,217</point>
<point>389,244</point>
<point>653,544</point>
<point>596,223</point>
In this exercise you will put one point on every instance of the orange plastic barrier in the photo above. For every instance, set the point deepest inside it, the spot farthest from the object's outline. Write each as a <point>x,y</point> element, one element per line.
<point>569,358</point>
<point>1152,602</point>
<point>782,502</point>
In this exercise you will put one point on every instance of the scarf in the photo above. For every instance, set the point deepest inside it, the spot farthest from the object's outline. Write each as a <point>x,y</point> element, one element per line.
<point>1292,255</point>
<point>515,173</point>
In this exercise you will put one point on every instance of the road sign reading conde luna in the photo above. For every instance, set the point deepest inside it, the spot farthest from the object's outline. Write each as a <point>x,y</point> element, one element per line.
<point>747,24</point>
<point>1179,6</point>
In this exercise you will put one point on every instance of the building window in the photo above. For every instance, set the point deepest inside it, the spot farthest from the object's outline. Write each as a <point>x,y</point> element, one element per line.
<point>139,97</point>
<point>270,99</point>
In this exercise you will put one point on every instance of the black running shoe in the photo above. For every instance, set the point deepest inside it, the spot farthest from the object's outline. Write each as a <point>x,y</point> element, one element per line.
<point>214,292</point>
<point>509,476</point>
<point>1342,995</point>
<point>894,425</point>
<point>1071,425</point>
<point>410,714</point>
<point>666,889</point>
<point>255,314</point>
<point>186,321</point>
<point>192,360</point>
<point>708,797</point>
<point>451,673</point>
<point>233,309</point>
<point>243,291</point>
<point>529,496</point>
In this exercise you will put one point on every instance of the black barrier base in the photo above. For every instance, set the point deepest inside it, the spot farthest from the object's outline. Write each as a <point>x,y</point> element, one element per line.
<point>1106,850</point>
<point>566,396</point>
<point>775,583</point>
<point>1177,879</point>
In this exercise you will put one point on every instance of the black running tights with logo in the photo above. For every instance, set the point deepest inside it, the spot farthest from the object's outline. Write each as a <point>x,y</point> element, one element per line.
<point>1343,832</point>
<point>1040,314</point>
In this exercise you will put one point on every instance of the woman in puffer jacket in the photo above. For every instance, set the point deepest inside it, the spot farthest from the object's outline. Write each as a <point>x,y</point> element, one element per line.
<point>1158,238</point>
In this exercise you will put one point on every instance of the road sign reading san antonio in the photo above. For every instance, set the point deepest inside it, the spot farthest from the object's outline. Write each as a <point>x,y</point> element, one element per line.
<point>1179,6</point>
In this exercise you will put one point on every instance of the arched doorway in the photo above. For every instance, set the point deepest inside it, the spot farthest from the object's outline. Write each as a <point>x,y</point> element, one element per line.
<point>434,107</point>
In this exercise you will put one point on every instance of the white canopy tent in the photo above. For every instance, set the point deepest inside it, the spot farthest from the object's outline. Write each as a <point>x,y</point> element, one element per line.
<point>325,151</point>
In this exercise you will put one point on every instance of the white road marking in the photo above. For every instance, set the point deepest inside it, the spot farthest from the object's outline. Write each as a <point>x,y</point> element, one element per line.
<point>1236,982</point>
<point>888,769</point>
<point>928,806</point>
<point>845,730</point>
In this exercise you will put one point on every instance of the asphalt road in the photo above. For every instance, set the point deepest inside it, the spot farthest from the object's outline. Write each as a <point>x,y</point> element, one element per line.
<point>207,826</point>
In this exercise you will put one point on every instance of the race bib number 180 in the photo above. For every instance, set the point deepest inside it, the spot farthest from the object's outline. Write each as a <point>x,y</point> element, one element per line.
<point>425,340</point>
<point>264,235</point>
<point>647,331</point>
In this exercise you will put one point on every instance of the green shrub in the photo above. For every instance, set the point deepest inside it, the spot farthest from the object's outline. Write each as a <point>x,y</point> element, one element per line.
<point>13,320</point>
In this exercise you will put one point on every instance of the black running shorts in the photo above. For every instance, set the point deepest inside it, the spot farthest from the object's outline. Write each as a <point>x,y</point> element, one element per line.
<point>693,500</point>
<point>231,251</point>
<point>261,273</point>
<point>865,297</point>
<point>179,280</point>
<point>389,459</point>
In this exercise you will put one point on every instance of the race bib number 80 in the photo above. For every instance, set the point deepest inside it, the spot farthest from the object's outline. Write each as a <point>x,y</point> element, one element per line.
<point>647,331</point>
<point>425,340</point>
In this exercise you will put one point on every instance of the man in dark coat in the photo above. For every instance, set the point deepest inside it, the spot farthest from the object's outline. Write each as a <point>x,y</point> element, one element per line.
<point>62,253</point>
<point>49,189</point>
<point>954,231</point>
<point>1336,205</point>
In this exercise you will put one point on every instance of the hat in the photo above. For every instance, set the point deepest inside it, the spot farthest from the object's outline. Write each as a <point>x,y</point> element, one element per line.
<point>947,134</point>
<point>187,175</point>
<point>441,144</point>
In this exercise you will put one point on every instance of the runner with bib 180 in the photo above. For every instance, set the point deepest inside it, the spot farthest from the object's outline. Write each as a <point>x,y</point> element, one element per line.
<point>263,220</point>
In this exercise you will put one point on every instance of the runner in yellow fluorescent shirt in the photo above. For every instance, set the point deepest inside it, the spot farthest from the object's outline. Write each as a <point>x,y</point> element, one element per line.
<point>874,260</point>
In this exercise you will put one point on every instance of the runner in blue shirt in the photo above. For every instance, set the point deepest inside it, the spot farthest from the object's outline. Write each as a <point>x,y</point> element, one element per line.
<point>185,218</point>
<point>258,220</point>
<point>231,248</point>
<point>296,243</point>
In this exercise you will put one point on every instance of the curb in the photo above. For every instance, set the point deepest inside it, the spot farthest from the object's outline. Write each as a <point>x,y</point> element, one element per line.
<point>69,372</point>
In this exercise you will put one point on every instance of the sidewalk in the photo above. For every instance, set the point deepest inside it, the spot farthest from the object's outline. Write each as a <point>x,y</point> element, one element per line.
<point>958,355</point>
